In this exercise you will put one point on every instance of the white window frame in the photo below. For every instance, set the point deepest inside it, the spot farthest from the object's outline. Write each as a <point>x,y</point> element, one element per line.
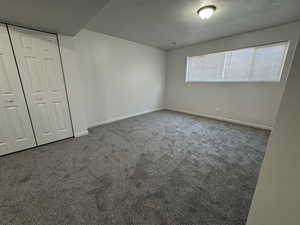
<point>287,43</point>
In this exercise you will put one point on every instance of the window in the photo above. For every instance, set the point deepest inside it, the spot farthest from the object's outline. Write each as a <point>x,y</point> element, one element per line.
<point>255,64</point>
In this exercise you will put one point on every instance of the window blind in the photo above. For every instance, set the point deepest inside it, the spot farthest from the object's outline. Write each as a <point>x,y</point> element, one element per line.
<point>255,64</point>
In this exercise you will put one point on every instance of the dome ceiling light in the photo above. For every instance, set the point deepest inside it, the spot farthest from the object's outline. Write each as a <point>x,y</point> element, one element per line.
<point>206,12</point>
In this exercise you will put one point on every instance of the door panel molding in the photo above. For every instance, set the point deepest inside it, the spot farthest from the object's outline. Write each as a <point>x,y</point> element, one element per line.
<point>40,68</point>
<point>16,131</point>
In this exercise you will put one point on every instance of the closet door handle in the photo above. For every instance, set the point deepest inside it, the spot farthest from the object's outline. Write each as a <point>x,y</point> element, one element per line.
<point>10,100</point>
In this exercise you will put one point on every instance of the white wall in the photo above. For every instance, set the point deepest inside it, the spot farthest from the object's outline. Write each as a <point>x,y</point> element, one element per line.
<point>250,103</point>
<point>277,198</point>
<point>70,62</point>
<point>119,78</point>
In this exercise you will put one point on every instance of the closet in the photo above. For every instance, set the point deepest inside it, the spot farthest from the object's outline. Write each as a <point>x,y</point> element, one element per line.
<point>15,128</point>
<point>33,102</point>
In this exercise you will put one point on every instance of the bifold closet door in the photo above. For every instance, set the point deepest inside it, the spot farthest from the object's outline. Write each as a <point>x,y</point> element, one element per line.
<point>40,70</point>
<point>15,128</point>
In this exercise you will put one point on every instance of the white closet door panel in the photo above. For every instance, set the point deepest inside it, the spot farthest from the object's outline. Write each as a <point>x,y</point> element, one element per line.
<point>15,128</point>
<point>40,70</point>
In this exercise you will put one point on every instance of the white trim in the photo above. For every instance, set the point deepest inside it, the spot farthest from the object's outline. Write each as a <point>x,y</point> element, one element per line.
<point>81,133</point>
<point>123,117</point>
<point>261,126</point>
<point>229,81</point>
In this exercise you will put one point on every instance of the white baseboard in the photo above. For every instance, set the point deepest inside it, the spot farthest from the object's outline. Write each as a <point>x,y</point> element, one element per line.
<point>81,133</point>
<point>261,126</point>
<point>123,117</point>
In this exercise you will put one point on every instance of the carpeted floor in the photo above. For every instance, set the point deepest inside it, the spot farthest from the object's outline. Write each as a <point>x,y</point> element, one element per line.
<point>162,168</point>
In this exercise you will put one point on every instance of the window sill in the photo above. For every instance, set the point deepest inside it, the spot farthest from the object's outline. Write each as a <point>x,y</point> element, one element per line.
<point>272,82</point>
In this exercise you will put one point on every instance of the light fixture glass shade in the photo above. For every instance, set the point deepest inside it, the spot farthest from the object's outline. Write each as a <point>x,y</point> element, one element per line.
<point>206,12</point>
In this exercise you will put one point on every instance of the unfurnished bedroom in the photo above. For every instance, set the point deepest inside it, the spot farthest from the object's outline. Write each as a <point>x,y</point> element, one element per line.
<point>154,112</point>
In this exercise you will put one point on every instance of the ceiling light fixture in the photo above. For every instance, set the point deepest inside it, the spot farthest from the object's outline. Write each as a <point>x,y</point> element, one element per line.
<point>206,12</point>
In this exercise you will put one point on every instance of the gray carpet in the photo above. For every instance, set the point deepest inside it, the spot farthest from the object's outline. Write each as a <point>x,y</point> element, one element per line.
<point>162,168</point>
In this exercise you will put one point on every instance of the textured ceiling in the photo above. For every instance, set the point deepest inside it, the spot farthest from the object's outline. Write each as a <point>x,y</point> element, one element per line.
<point>160,22</point>
<point>63,16</point>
